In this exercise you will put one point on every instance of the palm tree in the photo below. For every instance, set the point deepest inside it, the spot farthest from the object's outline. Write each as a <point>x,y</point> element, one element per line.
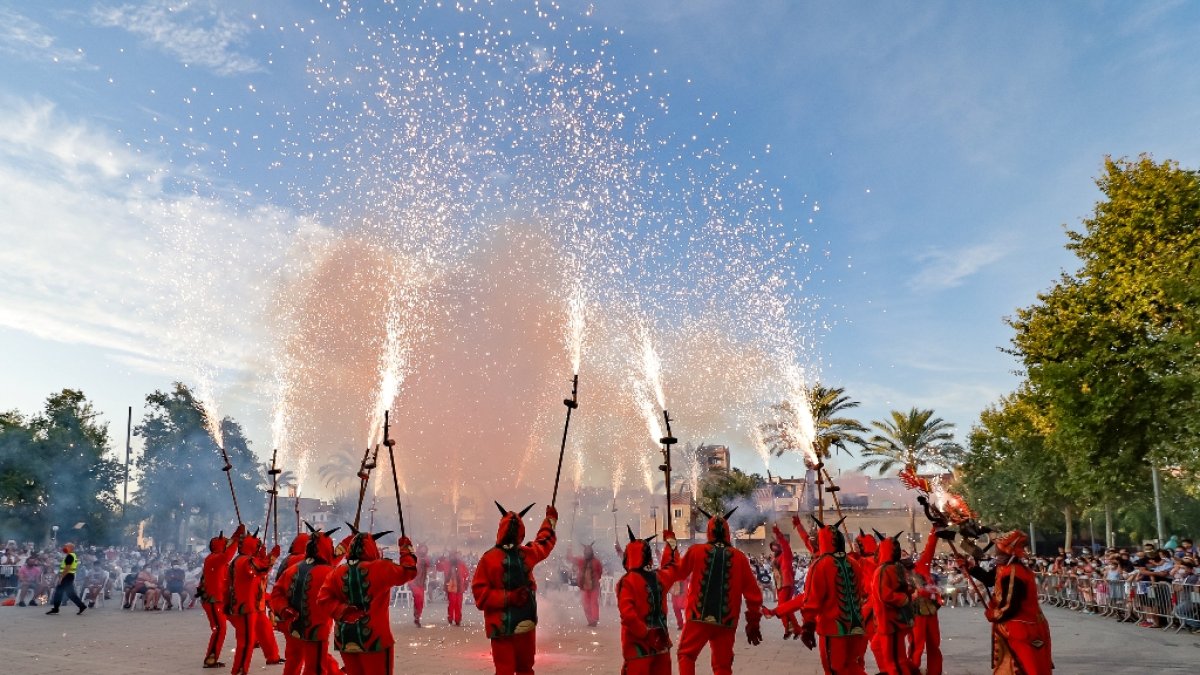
<point>286,478</point>
<point>914,439</point>
<point>341,470</point>
<point>831,430</point>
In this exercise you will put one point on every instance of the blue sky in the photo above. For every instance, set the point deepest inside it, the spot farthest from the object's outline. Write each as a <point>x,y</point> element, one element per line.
<point>944,144</point>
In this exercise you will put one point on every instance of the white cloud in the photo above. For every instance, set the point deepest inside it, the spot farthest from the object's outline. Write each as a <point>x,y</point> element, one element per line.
<point>198,33</point>
<point>941,269</point>
<point>26,39</point>
<point>98,252</point>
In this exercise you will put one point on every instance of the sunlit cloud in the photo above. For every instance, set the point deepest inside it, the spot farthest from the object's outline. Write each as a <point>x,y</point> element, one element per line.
<point>198,33</point>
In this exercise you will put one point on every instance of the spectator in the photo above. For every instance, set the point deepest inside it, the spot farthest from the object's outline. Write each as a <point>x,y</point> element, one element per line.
<point>29,579</point>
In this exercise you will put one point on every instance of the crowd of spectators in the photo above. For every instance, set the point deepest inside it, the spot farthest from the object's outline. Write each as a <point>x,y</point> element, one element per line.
<point>146,578</point>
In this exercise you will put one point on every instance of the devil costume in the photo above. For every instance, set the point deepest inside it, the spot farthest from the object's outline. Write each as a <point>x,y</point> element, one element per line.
<point>641,600</point>
<point>417,585</point>
<point>504,588</point>
<point>246,604</point>
<point>784,576</point>
<point>357,595</point>
<point>212,589</point>
<point>455,575</point>
<point>1020,634</point>
<point>890,604</point>
<point>927,632</point>
<point>305,624</point>
<point>588,571</point>
<point>719,576</point>
<point>832,605</point>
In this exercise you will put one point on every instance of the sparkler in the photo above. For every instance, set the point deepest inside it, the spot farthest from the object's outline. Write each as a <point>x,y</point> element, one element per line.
<point>571,403</point>
<point>389,443</point>
<point>364,474</point>
<point>229,477</point>
<point>272,504</point>
<point>667,441</point>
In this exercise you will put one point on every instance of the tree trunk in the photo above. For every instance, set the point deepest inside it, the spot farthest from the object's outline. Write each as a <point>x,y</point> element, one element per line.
<point>1109,539</point>
<point>1070,535</point>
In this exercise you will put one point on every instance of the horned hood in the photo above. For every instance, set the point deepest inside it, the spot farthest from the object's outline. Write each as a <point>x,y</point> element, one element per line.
<point>318,545</point>
<point>511,531</point>
<point>218,544</point>
<point>638,555</point>
<point>718,527</point>
<point>889,550</point>
<point>299,544</point>
<point>829,538</point>
<point>867,543</point>
<point>363,546</point>
<point>250,544</point>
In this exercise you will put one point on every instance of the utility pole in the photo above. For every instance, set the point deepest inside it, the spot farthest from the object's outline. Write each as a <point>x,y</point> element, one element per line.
<point>128,452</point>
<point>1158,519</point>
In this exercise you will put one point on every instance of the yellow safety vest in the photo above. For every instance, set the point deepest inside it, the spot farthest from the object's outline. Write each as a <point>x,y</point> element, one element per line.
<point>69,568</point>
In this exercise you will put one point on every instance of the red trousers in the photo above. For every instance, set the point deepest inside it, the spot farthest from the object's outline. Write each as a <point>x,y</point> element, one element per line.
<point>842,655</point>
<point>591,605</point>
<point>418,601</point>
<point>243,638</point>
<point>790,625</point>
<point>719,640</point>
<point>368,663</point>
<point>216,625</point>
<point>292,649</point>
<point>1019,637</point>
<point>678,603</point>
<point>264,632</point>
<point>454,608</point>
<point>659,664</point>
<point>891,652</point>
<point>514,655</point>
<point>927,639</point>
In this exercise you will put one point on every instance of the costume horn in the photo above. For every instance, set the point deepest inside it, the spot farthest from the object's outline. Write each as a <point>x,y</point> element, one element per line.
<point>221,534</point>
<point>330,533</point>
<point>503,511</point>
<point>310,527</point>
<point>730,513</point>
<point>525,510</point>
<point>255,535</point>
<point>839,522</point>
<point>816,520</point>
<point>353,529</point>
<point>630,529</point>
<point>379,535</point>
<point>650,538</point>
<point>706,513</point>
<point>879,536</point>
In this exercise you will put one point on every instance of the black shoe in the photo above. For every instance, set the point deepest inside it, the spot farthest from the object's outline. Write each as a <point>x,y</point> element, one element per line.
<point>53,611</point>
<point>91,603</point>
<point>33,603</point>
<point>81,610</point>
<point>21,603</point>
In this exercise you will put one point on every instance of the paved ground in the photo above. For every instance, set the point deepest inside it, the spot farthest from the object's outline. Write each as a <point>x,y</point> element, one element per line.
<point>108,641</point>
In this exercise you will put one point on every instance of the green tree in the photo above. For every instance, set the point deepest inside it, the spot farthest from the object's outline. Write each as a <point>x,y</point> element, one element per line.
<point>53,471</point>
<point>832,430</point>
<point>1113,347</point>
<point>340,472</point>
<point>181,478</point>
<point>915,438</point>
<point>722,490</point>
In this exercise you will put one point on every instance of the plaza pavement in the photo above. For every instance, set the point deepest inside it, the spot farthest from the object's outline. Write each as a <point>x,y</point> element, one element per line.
<point>109,641</point>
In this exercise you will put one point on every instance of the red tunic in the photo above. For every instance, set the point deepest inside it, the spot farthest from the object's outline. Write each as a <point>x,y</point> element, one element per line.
<point>642,600</point>
<point>214,575</point>
<point>833,591</point>
<point>455,573</point>
<point>505,573</point>
<point>719,576</point>
<point>296,591</point>
<point>588,572</point>
<point>357,595</point>
<point>248,578</point>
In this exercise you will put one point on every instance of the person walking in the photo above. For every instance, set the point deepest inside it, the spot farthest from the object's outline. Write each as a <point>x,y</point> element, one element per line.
<point>66,581</point>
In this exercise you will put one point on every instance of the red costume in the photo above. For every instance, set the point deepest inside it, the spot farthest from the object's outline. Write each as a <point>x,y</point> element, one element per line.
<point>246,604</point>
<point>291,653</point>
<point>212,589</point>
<point>641,600</point>
<point>1020,634</point>
<point>305,623</point>
<point>832,606</point>
<point>890,604</point>
<point>454,572</point>
<point>357,595</point>
<point>504,588</point>
<point>785,579</point>
<point>417,585</point>
<point>719,577</point>
<point>866,549</point>
<point>588,571</point>
<point>927,632</point>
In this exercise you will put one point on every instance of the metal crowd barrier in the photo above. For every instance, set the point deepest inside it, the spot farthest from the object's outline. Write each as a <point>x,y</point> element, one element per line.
<point>1161,604</point>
